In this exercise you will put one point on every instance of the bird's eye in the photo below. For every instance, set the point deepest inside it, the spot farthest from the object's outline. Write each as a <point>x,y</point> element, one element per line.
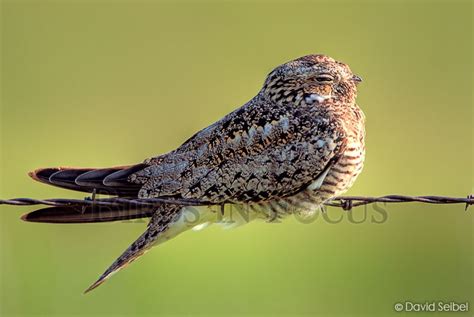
<point>324,78</point>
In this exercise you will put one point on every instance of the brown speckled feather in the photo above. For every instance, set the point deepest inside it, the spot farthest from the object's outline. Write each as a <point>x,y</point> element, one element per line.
<point>262,150</point>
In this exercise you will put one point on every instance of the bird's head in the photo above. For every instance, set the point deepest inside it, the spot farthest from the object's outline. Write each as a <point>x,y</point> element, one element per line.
<point>311,79</point>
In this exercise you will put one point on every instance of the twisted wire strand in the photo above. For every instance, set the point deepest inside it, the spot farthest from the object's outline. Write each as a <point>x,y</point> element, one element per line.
<point>344,202</point>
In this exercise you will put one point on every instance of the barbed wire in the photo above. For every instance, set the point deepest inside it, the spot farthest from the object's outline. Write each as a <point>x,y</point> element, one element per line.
<point>344,202</point>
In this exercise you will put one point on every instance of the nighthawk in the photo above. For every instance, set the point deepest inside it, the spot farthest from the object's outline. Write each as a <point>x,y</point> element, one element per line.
<point>298,143</point>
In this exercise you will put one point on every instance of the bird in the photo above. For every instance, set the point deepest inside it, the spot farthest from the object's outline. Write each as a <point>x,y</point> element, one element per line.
<point>294,146</point>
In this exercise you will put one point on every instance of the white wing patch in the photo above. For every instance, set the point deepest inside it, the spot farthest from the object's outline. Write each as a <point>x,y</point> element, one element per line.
<point>201,226</point>
<point>199,218</point>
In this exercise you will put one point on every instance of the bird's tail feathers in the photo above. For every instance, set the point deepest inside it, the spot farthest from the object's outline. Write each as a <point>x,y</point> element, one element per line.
<point>109,181</point>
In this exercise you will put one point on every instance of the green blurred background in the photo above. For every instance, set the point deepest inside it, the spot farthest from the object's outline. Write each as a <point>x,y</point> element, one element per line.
<point>99,83</point>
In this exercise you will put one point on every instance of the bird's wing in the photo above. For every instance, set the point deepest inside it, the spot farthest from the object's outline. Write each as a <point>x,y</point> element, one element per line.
<point>250,155</point>
<point>88,214</point>
<point>159,223</point>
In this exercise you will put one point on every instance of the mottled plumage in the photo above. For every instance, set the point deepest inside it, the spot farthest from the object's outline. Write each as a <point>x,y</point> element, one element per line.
<point>296,144</point>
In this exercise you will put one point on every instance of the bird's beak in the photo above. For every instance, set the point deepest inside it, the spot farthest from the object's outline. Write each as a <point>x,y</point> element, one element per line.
<point>356,79</point>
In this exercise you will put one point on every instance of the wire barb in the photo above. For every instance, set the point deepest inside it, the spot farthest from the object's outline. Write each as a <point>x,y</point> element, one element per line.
<point>344,202</point>
<point>470,197</point>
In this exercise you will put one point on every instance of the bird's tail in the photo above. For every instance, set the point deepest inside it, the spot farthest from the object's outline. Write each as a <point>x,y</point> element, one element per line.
<point>109,181</point>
